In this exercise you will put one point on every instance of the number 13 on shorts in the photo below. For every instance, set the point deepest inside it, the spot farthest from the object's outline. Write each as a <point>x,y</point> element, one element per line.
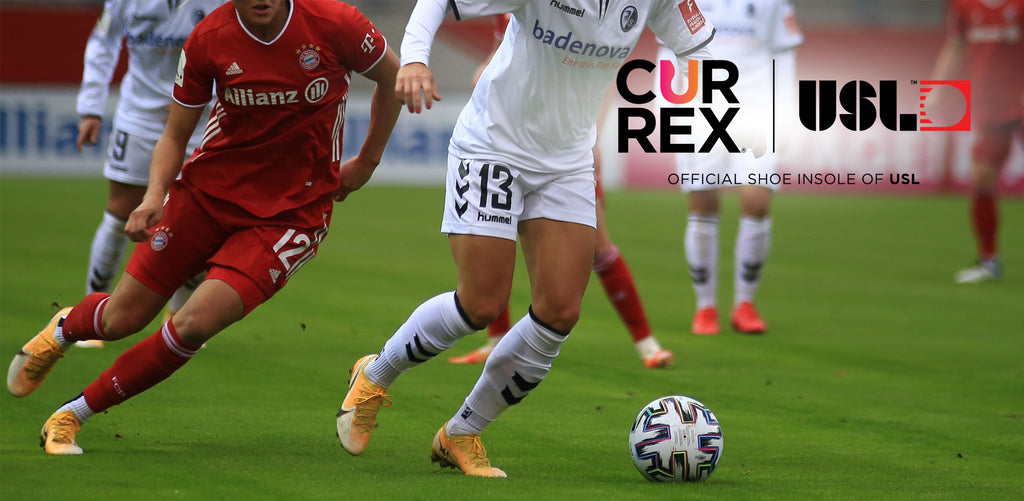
<point>481,198</point>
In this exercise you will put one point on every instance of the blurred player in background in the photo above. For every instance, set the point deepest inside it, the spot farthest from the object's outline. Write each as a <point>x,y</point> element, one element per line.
<point>609,265</point>
<point>987,36</point>
<point>252,204</point>
<point>154,32</point>
<point>520,165</point>
<point>759,36</point>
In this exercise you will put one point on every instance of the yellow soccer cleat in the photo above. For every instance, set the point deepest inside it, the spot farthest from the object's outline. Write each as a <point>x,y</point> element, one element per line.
<point>358,413</point>
<point>465,452</point>
<point>58,434</point>
<point>31,365</point>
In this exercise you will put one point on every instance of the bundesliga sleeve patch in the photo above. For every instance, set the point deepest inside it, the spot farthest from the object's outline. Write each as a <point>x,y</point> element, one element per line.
<point>691,15</point>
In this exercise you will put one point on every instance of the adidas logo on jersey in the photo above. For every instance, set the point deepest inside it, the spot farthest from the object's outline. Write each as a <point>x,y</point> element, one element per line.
<point>233,70</point>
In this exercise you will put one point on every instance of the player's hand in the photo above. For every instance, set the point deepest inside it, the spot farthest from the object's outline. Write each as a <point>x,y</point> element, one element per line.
<point>354,174</point>
<point>88,131</point>
<point>415,87</point>
<point>144,217</point>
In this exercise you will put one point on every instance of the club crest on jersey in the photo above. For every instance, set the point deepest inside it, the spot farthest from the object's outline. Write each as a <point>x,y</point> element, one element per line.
<point>309,57</point>
<point>628,18</point>
<point>160,239</point>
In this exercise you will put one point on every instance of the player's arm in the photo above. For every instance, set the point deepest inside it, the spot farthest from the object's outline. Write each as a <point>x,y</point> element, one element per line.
<point>102,52</point>
<point>415,85</point>
<point>384,111</point>
<point>168,156</point>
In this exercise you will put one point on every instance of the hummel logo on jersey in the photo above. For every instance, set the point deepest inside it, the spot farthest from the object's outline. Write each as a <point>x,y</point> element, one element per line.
<point>568,9</point>
<point>233,70</point>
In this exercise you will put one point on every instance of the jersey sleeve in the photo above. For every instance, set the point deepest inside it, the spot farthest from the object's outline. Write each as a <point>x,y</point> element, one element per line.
<point>467,9</point>
<point>681,26</point>
<point>102,52</point>
<point>363,45</point>
<point>786,32</point>
<point>194,80</point>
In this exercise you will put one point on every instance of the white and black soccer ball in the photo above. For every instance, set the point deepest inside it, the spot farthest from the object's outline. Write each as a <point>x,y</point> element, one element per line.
<point>676,439</point>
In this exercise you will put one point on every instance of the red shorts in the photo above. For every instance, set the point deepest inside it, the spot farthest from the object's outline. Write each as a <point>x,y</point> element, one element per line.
<point>992,142</point>
<point>255,256</point>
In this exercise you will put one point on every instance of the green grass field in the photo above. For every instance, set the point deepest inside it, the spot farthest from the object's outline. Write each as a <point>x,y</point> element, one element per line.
<point>878,379</point>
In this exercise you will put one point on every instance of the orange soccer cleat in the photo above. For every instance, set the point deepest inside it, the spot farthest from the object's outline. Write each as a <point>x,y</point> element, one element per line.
<point>746,320</point>
<point>705,322</point>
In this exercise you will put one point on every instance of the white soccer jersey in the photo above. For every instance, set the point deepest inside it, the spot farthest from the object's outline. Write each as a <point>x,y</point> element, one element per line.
<point>154,32</point>
<point>750,33</point>
<point>537,102</point>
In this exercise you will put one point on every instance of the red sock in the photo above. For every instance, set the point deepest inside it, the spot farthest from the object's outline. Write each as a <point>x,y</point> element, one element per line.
<point>618,286</point>
<point>985,221</point>
<point>139,368</point>
<point>84,320</point>
<point>500,325</point>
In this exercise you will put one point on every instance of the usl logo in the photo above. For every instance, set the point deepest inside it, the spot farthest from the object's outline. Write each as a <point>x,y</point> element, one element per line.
<point>818,110</point>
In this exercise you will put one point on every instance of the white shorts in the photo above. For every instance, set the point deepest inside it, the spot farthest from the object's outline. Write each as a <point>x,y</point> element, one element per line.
<point>490,198</point>
<point>721,169</point>
<point>128,158</point>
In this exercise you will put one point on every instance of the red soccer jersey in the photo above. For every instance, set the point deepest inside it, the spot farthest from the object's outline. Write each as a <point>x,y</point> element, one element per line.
<point>994,34</point>
<point>273,142</point>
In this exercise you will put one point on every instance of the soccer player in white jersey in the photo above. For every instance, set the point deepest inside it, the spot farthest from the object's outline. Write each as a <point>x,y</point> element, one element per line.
<point>753,34</point>
<point>154,32</point>
<point>520,164</point>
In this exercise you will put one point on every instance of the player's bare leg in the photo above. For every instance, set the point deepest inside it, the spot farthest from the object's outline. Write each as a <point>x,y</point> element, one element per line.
<point>485,266</point>
<point>619,287</point>
<point>701,246</point>
<point>214,306</point>
<point>558,258</point>
<point>110,244</point>
<point>753,240</point>
<point>984,223</point>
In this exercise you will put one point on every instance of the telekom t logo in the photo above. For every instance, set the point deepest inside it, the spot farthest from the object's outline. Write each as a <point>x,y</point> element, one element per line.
<point>818,111</point>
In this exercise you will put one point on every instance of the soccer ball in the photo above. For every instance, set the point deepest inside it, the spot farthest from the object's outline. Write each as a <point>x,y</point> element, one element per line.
<point>675,439</point>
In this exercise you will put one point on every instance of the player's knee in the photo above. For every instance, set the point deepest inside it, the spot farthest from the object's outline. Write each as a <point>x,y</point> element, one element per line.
<point>560,316</point>
<point>119,324</point>
<point>194,327</point>
<point>482,311</point>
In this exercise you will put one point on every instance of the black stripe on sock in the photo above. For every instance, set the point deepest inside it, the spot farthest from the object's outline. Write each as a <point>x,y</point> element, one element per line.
<point>462,313</point>
<point>538,321</point>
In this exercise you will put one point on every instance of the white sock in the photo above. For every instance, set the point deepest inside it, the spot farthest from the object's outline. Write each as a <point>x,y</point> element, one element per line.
<point>647,346</point>
<point>432,328</point>
<point>79,407</point>
<point>108,248</point>
<point>58,333</point>
<point>701,244</point>
<point>752,243</point>
<point>517,365</point>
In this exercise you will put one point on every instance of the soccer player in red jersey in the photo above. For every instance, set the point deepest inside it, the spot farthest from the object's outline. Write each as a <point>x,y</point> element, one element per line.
<point>252,204</point>
<point>610,266</point>
<point>987,36</point>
